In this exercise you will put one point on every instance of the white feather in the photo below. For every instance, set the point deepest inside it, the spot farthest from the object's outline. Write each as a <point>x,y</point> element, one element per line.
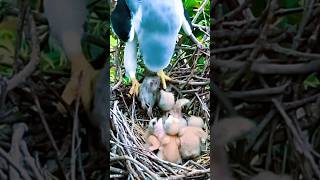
<point>130,58</point>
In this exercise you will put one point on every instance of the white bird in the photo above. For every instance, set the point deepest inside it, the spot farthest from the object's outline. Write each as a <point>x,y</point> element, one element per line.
<point>66,19</point>
<point>155,25</point>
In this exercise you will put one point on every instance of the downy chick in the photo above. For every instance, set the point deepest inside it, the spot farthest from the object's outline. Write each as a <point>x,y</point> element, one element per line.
<point>169,149</point>
<point>156,128</point>
<point>195,121</point>
<point>168,145</point>
<point>175,120</point>
<point>153,143</point>
<point>166,100</point>
<point>172,125</point>
<point>191,139</point>
<point>154,133</point>
<point>149,92</point>
<point>176,111</point>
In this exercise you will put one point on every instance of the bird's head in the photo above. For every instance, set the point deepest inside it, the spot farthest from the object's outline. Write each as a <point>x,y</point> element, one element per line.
<point>154,83</point>
<point>156,127</point>
<point>172,125</point>
<point>166,100</point>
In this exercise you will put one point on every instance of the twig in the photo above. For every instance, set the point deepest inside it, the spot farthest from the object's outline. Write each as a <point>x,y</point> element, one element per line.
<point>283,12</point>
<point>297,138</point>
<point>19,78</point>
<point>117,170</point>
<point>301,102</point>
<point>30,161</point>
<point>38,16</point>
<point>203,105</point>
<point>277,48</point>
<point>83,177</point>
<point>234,12</point>
<point>268,68</point>
<point>306,15</point>
<point>301,68</point>
<point>16,166</point>
<point>192,173</point>
<point>47,129</point>
<point>199,11</point>
<point>18,132</point>
<point>190,82</point>
<point>233,48</point>
<point>257,92</point>
<point>58,96</point>
<point>75,132</point>
<point>125,157</point>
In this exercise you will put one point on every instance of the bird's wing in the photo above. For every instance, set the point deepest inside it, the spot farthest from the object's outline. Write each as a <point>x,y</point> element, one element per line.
<point>121,21</point>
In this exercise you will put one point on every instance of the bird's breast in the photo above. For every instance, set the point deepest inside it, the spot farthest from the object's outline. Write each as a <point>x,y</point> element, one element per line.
<point>159,24</point>
<point>162,16</point>
<point>157,50</point>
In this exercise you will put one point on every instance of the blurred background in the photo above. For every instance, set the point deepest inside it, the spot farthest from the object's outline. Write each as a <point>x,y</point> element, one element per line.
<point>266,60</point>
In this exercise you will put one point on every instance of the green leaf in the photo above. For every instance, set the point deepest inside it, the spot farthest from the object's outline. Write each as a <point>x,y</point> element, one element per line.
<point>126,81</point>
<point>311,81</point>
<point>289,3</point>
<point>203,22</point>
<point>201,61</point>
<point>113,41</point>
<point>8,35</point>
<point>189,5</point>
<point>6,71</point>
<point>113,74</point>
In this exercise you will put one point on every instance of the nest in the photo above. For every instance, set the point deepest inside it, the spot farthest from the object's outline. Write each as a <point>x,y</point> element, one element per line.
<point>129,157</point>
